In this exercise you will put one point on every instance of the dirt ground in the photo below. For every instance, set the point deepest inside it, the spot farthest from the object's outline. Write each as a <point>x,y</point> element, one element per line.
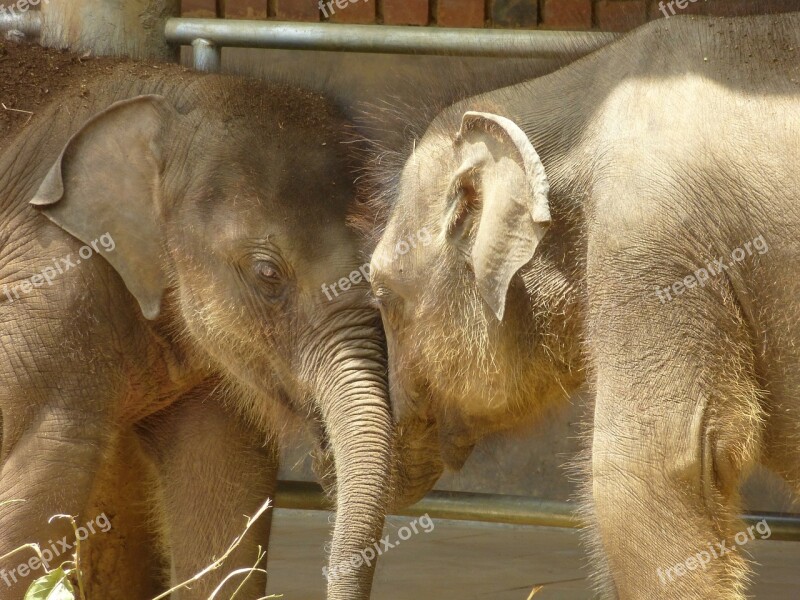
<point>31,76</point>
<point>464,560</point>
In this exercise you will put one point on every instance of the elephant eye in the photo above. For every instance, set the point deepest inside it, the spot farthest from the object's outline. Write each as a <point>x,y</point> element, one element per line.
<point>390,304</point>
<point>267,271</point>
<point>383,296</point>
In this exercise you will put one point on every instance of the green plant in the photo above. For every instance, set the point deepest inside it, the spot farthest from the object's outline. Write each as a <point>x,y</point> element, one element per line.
<point>65,582</point>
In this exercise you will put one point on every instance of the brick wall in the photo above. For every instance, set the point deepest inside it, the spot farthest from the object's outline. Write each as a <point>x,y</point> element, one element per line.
<point>607,15</point>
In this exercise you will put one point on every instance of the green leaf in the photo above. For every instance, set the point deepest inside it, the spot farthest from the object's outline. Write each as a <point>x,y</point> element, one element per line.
<point>53,586</point>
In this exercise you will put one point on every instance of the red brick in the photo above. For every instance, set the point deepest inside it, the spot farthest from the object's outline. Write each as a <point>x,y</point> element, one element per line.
<point>297,10</point>
<point>203,9</point>
<point>245,9</point>
<point>515,13</point>
<point>733,8</point>
<point>405,12</point>
<point>567,14</point>
<point>460,13</point>
<point>354,11</point>
<point>778,6</point>
<point>620,15</point>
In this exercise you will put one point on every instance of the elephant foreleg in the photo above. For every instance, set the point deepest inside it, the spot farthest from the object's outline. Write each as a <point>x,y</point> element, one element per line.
<point>52,454</point>
<point>214,470</point>
<point>120,562</point>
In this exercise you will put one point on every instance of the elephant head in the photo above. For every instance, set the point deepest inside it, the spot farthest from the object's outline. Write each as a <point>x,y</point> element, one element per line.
<point>227,202</point>
<point>475,319</point>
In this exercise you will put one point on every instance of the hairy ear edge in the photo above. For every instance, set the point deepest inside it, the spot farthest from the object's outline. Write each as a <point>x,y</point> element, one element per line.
<point>500,194</point>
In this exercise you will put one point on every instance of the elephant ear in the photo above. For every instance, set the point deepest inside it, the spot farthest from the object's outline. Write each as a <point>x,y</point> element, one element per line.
<point>498,210</point>
<point>107,180</point>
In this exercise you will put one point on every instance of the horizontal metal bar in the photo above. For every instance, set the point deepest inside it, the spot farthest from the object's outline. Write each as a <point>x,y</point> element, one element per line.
<point>384,39</point>
<point>495,508</point>
<point>28,22</point>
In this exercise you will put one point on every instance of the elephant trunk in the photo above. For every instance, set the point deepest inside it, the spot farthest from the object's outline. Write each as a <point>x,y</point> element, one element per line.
<point>355,410</point>
<point>418,462</point>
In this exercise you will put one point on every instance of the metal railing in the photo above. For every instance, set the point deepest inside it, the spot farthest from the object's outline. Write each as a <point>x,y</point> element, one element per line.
<point>498,508</point>
<point>209,36</point>
<point>29,22</point>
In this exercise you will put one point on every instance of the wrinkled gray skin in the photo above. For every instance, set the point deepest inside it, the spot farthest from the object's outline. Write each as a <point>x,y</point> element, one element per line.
<point>673,147</point>
<point>202,325</point>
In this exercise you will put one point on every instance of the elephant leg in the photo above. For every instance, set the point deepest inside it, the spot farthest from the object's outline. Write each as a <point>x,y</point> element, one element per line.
<point>122,562</point>
<point>214,469</point>
<point>677,426</point>
<point>52,450</point>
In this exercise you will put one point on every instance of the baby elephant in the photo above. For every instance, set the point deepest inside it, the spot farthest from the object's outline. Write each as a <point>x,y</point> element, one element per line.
<point>632,220</point>
<point>163,242</point>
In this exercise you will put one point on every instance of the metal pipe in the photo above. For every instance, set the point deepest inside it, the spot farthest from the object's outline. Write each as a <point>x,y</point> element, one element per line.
<point>495,508</point>
<point>28,22</point>
<point>384,39</point>
<point>207,56</point>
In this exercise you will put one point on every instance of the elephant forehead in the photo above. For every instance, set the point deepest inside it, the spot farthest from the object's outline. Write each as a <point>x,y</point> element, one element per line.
<point>297,239</point>
<point>426,170</point>
<point>420,200</point>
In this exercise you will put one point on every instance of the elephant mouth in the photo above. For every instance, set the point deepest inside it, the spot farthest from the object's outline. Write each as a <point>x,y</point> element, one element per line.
<point>417,463</point>
<point>454,446</point>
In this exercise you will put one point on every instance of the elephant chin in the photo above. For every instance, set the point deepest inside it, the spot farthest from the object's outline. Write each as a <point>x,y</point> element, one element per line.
<point>454,455</point>
<point>456,441</point>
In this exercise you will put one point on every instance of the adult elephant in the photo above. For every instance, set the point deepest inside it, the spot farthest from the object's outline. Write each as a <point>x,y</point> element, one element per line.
<point>629,220</point>
<point>164,239</point>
